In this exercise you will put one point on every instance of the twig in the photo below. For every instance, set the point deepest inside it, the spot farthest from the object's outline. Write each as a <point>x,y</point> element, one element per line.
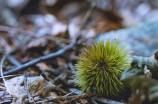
<point>72,98</point>
<point>8,76</point>
<point>8,49</point>
<point>84,20</point>
<point>69,93</point>
<point>2,88</point>
<point>27,89</point>
<point>5,45</point>
<point>57,99</point>
<point>52,55</point>
<point>40,59</point>
<point>44,58</point>
<point>106,101</point>
<point>62,90</point>
<point>76,97</point>
<point>32,34</point>
<point>1,67</point>
<point>13,61</point>
<point>71,67</point>
<point>6,29</point>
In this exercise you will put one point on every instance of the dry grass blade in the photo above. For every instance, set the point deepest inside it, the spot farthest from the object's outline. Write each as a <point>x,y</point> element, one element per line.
<point>84,20</point>
<point>8,76</point>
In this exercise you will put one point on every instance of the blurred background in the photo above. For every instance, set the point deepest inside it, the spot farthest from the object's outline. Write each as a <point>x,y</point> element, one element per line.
<point>129,12</point>
<point>30,29</point>
<point>52,24</point>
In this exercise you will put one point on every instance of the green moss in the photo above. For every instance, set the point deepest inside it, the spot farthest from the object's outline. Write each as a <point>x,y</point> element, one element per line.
<point>100,67</point>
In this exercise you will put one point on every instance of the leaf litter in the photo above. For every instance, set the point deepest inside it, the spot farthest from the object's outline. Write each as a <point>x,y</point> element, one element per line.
<point>30,32</point>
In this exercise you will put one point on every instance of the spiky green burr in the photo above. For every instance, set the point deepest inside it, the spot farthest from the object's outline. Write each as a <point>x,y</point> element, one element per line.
<point>100,67</point>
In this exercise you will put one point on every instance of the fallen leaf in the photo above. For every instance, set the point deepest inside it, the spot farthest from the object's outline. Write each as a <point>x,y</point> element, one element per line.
<point>35,43</point>
<point>42,66</point>
<point>38,88</point>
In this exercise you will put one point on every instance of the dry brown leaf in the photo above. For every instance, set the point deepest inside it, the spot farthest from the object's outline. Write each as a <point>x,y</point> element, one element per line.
<point>38,88</point>
<point>104,25</point>
<point>83,101</point>
<point>42,66</point>
<point>35,43</point>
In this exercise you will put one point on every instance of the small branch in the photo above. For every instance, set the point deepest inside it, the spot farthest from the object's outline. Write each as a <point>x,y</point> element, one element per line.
<point>1,67</point>
<point>32,34</point>
<point>86,17</point>
<point>44,58</point>
<point>71,98</point>
<point>62,90</point>
<point>84,20</point>
<point>9,76</point>
<point>5,45</point>
<point>27,89</point>
<point>52,55</point>
<point>77,97</point>
<point>71,67</point>
<point>11,59</point>
<point>14,61</point>
<point>69,93</point>
<point>8,49</point>
<point>7,29</point>
<point>40,59</point>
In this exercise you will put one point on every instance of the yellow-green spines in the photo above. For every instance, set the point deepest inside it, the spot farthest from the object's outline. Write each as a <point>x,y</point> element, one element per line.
<point>100,67</point>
